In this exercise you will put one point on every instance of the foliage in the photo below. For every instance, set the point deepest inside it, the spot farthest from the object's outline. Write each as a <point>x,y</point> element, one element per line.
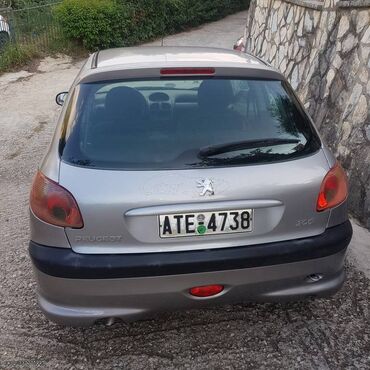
<point>34,33</point>
<point>31,22</point>
<point>14,56</point>
<point>98,24</point>
<point>92,22</point>
<point>21,4</point>
<point>76,25</point>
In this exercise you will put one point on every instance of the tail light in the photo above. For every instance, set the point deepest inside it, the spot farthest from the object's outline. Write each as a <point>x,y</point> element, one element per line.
<point>53,204</point>
<point>206,290</point>
<point>334,189</point>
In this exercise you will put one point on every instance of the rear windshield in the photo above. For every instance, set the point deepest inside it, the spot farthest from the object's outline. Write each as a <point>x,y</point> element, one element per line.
<point>184,123</point>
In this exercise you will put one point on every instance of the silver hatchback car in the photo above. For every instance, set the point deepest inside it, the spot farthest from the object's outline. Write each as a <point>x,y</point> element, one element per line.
<point>179,178</point>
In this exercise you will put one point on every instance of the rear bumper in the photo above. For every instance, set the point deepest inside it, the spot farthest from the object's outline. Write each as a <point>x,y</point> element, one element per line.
<point>77,300</point>
<point>65,263</point>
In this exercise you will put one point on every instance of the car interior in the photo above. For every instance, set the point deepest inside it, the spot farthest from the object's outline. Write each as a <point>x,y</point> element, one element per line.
<point>170,121</point>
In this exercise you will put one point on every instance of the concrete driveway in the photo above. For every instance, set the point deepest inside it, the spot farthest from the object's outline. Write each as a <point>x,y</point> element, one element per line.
<point>321,334</point>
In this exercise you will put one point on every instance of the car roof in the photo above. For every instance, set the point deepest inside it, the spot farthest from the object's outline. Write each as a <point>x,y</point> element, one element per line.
<point>112,63</point>
<point>168,54</point>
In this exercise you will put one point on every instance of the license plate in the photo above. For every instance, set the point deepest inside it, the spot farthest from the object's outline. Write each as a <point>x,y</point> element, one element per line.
<point>205,223</point>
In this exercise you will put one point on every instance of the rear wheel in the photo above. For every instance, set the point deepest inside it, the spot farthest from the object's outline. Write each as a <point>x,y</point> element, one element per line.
<point>4,39</point>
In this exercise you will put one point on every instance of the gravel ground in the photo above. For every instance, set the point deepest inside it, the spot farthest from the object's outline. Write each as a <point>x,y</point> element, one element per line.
<point>319,334</point>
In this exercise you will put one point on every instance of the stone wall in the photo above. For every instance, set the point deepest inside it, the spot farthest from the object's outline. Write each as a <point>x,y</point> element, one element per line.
<point>323,48</point>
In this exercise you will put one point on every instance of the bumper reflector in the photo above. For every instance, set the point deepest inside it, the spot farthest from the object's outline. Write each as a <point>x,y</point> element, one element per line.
<point>206,290</point>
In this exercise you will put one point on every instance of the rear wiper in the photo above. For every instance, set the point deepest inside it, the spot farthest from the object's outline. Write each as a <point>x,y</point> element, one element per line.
<point>211,150</point>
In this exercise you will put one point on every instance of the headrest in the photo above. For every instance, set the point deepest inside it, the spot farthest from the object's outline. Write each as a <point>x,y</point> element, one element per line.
<point>125,102</point>
<point>215,95</point>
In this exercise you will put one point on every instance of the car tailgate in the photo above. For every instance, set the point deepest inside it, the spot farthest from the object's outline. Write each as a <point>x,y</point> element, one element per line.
<point>121,209</point>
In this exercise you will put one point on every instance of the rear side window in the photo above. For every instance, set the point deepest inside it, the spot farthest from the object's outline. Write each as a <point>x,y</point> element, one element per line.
<point>190,123</point>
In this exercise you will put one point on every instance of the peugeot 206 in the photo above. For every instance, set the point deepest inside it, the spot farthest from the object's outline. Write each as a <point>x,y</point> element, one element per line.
<point>179,178</point>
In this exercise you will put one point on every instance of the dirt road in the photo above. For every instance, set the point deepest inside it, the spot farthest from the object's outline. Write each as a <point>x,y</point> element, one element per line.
<point>321,334</point>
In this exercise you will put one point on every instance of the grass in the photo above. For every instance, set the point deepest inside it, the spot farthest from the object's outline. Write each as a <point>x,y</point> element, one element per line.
<point>64,46</point>
<point>35,34</point>
<point>15,56</point>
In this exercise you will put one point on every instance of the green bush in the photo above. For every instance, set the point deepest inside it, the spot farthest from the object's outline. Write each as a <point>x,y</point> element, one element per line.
<point>99,24</point>
<point>94,23</point>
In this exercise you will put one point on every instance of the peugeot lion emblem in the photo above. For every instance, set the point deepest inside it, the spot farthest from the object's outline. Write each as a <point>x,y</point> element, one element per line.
<point>207,187</point>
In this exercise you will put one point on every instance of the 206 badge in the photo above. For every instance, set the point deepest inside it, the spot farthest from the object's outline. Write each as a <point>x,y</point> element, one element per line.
<point>207,187</point>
